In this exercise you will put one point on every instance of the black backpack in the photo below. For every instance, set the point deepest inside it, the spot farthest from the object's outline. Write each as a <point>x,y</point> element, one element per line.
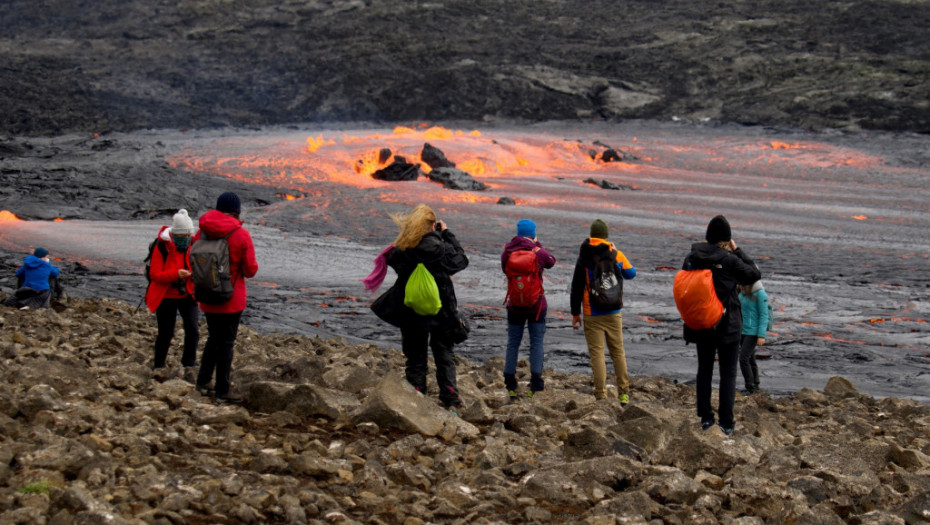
<point>148,258</point>
<point>210,271</point>
<point>605,290</point>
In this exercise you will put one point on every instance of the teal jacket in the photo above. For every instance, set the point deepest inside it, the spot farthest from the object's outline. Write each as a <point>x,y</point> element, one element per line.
<point>755,309</point>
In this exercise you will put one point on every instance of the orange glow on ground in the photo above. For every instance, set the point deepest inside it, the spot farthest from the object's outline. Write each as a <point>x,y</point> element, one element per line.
<point>860,217</point>
<point>314,144</point>
<point>7,216</point>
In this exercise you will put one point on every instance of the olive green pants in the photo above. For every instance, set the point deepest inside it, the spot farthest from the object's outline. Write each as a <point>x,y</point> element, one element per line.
<point>598,330</point>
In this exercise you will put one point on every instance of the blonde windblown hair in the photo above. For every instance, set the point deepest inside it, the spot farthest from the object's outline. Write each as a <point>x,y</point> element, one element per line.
<point>413,226</point>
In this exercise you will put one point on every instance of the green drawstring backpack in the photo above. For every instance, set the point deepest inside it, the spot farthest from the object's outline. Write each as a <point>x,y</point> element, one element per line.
<point>421,293</point>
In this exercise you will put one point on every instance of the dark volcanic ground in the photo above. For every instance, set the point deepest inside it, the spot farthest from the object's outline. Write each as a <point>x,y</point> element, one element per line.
<point>836,221</point>
<point>116,65</point>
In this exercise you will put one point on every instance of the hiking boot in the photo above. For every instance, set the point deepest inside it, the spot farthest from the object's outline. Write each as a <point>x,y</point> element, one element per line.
<point>707,423</point>
<point>229,399</point>
<point>204,390</point>
<point>530,394</point>
<point>190,374</point>
<point>512,394</point>
<point>726,430</point>
<point>624,399</point>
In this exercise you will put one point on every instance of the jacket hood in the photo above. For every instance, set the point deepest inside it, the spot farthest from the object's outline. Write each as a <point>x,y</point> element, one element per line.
<point>596,247</point>
<point>31,261</point>
<point>165,233</point>
<point>429,249</point>
<point>519,243</point>
<point>704,255</point>
<point>218,224</point>
<point>756,286</point>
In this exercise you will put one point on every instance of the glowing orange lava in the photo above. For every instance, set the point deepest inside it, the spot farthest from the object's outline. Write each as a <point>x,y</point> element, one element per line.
<point>860,217</point>
<point>6,216</point>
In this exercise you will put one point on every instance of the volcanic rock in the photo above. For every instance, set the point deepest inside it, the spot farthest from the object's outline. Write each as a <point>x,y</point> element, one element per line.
<point>116,442</point>
<point>456,179</point>
<point>608,185</point>
<point>399,170</point>
<point>434,157</point>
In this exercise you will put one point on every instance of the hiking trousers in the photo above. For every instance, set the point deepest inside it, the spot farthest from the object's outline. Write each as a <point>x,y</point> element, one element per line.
<point>747,361</point>
<point>218,352</point>
<point>728,356</point>
<point>598,330</point>
<point>167,314</point>
<point>415,342</point>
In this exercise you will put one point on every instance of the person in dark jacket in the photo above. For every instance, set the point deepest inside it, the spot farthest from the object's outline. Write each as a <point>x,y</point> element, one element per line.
<point>171,292</point>
<point>223,319</point>
<point>534,317</point>
<point>730,267</point>
<point>37,278</point>
<point>424,239</point>
<point>601,326</point>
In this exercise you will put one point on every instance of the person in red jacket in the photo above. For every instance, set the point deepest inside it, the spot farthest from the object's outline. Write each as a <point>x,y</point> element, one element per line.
<point>171,292</point>
<point>223,319</point>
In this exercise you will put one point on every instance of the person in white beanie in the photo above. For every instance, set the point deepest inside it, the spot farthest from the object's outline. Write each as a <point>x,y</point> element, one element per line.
<point>171,292</point>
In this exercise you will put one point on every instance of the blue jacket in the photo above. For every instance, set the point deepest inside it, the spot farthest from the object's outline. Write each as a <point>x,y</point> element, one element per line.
<point>755,309</point>
<point>35,273</point>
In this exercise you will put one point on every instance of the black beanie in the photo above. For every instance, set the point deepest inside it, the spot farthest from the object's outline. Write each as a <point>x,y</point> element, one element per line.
<point>718,230</point>
<point>228,202</point>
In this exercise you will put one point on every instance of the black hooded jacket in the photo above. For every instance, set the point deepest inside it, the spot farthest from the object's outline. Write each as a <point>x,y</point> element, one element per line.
<point>728,270</point>
<point>443,256</point>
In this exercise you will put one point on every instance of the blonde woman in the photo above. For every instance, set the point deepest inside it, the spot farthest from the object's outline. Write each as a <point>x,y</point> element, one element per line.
<point>423,238</point>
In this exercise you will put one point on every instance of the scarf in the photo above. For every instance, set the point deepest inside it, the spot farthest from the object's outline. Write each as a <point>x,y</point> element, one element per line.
<point>376,277</point>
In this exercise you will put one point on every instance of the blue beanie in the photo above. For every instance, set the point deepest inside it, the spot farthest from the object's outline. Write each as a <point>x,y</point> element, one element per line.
<point>40,252</point>
<point>526,228</point>
<point>229,202</point>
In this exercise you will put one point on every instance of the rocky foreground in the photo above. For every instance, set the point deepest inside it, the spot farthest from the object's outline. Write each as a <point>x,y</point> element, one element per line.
<point>331,433</point>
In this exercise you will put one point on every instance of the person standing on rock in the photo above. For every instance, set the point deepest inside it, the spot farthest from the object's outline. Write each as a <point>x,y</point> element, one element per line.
<point>603,321</point>
<point>425,239</point>
<point>754,306</point>
<point>528,289</point>
<point>171,292</point>
<point>223,318</point>
<point>36,279</point>
<point>729,266</point>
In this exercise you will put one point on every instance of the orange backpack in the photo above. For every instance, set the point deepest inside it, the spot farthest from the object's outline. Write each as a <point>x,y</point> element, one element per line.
<point>697,302</point>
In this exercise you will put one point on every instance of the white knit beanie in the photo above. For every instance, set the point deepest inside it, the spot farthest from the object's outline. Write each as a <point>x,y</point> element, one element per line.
<point>182,225</point>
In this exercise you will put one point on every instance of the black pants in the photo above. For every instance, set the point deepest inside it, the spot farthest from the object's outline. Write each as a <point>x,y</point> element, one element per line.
<point>415,341</point>
<point>167,315</point>
<point>728,354</point>
<point>218,352</point>
<point>747,361</point>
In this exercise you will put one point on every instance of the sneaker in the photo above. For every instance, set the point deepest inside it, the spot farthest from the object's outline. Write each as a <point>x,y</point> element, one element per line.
<point>624,399</point>
<point>532,393</point>
<point>726,430</point>
<point>748,392</point>
<point>229,399</point>
<point>454,411</point>
<point>706,423</point>
<point>512,394</point>
<point>190,374</point>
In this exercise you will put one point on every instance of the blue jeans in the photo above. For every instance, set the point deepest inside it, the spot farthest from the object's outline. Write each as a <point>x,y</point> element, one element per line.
<point>516,320</point>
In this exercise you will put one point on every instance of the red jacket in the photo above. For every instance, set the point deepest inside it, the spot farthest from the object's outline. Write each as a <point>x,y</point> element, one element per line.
<point>242,263</point>
<point>163,271</point>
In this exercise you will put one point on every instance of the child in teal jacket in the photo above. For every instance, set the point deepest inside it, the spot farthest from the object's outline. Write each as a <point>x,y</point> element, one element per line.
<point>754,303</point>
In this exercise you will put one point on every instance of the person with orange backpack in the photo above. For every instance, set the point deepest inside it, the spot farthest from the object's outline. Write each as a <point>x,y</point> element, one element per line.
<point>523,262</point>
<point>729,266</point>
<point>597,290</point>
